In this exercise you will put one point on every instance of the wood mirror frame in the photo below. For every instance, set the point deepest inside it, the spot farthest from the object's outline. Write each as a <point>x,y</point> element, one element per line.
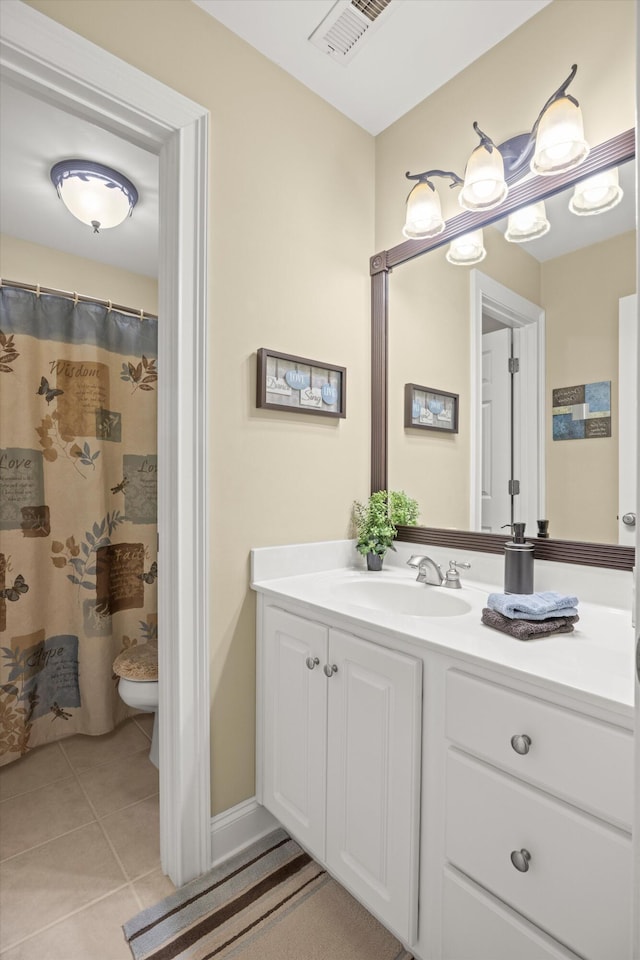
<point>611,153</point>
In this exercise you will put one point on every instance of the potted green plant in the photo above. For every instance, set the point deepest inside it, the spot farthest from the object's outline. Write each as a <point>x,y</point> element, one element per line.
<point>376,521</point>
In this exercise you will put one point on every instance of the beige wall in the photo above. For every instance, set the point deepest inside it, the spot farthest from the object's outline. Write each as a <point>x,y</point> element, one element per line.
<point>580,294</point>
<point>291,231</point>
<point>25,262</point>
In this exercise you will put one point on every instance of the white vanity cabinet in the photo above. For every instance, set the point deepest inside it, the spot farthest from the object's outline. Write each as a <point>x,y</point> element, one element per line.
<point>537,818</point>
<point>339,734</point>
<point>474,792</point>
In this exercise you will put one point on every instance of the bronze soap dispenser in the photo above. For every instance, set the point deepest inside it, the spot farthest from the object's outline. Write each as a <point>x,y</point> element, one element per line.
<point>518,562</point>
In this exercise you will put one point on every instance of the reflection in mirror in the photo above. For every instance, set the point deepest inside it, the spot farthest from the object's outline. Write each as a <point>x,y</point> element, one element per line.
<point>546,442</point>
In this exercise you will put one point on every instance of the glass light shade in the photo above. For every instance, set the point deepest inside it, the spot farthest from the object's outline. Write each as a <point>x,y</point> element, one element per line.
<point>484,184</point>
<point>527,224</point>
<point>596,194</point>
<point>424,213</point>
<point>94,194</point>
<point>560,142</point>
<point>468,249</point>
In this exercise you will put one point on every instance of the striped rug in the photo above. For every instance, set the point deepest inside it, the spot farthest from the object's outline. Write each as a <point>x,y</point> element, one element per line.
<point>270,902</point>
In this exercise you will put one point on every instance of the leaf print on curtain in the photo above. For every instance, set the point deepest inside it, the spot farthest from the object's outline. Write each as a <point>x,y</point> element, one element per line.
<point>78,466</point>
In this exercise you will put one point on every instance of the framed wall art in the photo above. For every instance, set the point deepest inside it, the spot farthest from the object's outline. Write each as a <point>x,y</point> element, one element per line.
<point>426,408</point>
<point>296,384</point>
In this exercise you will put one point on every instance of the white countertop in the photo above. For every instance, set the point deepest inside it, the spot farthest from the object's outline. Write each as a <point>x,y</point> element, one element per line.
<point>595,662</point>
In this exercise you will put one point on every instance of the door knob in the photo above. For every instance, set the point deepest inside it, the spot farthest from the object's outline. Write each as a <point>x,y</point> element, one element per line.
<point>312,662</point>
<point>521,743</point>
<point>520,859</point>
<point>629,519</point>
<point>330,669</point>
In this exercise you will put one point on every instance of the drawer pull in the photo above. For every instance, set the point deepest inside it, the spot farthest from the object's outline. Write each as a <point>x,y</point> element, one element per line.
<point>520,859</point>
<point>312,662</point>
<point>330,669</point>
<point>521,743</point>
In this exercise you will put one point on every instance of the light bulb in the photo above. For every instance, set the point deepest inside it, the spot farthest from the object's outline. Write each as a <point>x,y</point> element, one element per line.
<point>560,142</point>
<point>527,224</point>
<point>596,194</point>
<point>466,250</point>
<point>424,214</point>
<point>484,184</point>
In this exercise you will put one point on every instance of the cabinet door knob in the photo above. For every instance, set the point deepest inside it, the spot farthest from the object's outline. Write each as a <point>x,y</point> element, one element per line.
<point>330,669</point>
<point>520,859</point>
<point>521,743</point>
<point>312,662</point>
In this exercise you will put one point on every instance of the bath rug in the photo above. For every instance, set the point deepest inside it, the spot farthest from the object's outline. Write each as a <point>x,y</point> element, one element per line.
<point>269,902</point>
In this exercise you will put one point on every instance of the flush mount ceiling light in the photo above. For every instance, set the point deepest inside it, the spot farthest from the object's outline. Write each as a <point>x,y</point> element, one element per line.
<point>527,224</point>
<point>596,194</point>
<point>94,194</point>
<point>555,144</point>
<point>466,250</point>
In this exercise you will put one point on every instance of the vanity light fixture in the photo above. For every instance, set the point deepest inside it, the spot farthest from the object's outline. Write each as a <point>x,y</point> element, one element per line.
<point>596,194</point>
<point>556,143</point>
<point>466,250</point>
<point>94,194</point>
<point>529,223</point>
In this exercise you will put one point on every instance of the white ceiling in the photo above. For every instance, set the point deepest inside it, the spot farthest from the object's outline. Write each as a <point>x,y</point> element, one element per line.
<point>410,55</point>
<point>419,45</point>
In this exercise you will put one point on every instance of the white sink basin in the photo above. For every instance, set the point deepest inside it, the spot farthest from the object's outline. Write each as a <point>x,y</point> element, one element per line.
<point>409,599</point>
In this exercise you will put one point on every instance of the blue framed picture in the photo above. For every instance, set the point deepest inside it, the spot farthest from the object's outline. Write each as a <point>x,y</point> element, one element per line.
<point>426,408</point>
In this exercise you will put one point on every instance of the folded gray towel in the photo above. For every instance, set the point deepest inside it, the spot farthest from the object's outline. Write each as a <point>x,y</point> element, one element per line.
<point>528,629</point>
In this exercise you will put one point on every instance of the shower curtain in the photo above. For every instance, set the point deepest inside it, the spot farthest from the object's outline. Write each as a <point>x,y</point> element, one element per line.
<point>78,538</point>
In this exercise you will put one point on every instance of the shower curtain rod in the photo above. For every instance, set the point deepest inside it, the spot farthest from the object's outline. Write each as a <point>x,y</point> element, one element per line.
<point>78,297</point>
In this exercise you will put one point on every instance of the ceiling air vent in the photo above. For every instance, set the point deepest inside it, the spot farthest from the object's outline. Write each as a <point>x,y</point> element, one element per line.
<point>349,22</point>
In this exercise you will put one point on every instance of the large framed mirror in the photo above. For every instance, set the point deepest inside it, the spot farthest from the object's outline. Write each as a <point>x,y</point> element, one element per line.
<point>433,322</point>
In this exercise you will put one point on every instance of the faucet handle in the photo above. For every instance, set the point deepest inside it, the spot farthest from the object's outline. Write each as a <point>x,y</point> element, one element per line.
<point>452,578</point>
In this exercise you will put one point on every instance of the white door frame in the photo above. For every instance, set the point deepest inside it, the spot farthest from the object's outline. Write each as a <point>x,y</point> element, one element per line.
<point>501,303</point>
<point>627,413</point>
<point>63,68</point>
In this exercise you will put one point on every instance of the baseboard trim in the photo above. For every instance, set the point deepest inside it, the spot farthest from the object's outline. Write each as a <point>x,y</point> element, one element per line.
<point>236,828</point>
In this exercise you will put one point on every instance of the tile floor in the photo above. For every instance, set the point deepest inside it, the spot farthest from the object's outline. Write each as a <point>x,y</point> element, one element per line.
<point>79,845</point>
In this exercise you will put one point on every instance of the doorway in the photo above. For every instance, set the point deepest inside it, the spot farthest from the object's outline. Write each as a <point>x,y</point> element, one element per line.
<point>53,63</point>
<point>507,437</point>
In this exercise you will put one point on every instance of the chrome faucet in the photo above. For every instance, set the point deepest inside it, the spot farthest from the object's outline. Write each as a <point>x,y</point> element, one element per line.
<point>428,570</point>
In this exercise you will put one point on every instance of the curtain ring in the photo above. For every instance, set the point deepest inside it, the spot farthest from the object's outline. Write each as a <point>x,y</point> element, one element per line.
<point>142,315</point>
<point>38,290</point>
<point>75,298</point>
<point>109,306</point>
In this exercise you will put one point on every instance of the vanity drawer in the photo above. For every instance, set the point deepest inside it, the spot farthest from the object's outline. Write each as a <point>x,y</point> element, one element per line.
<point>577,883</point>
<point>476,926</point>
<point>573,756</point>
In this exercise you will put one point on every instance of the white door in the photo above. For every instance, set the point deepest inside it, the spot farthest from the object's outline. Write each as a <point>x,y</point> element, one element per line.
<point>373,777</point>
<point>295,720</point>
<point>496,430</point>
<point>627,418</point>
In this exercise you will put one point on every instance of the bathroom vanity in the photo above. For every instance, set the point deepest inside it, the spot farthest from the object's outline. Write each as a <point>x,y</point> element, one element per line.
<point>473,791</point>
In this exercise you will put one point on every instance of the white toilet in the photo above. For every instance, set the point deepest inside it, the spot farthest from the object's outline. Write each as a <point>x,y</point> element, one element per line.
<point>137,669</point>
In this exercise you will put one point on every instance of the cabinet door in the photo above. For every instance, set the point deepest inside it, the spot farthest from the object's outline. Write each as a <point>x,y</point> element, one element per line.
<point>295,717</point>
<point>373,779</point>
